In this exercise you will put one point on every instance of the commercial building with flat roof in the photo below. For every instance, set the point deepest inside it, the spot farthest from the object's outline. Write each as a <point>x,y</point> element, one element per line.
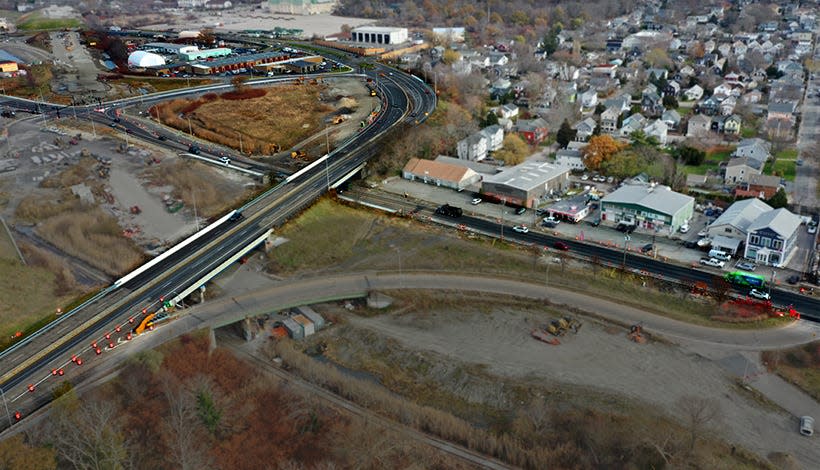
<point>526,184</point>
<point>379,35</point>
<point>205,53</point>
<point>651,206</point>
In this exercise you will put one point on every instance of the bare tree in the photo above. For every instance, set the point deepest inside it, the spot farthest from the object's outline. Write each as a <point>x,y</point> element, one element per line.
<point>102,443</point>
<point>697,413</point>
<point>181,430</point>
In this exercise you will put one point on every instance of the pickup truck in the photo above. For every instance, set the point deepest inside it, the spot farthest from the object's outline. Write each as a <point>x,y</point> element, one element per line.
<point>713,262</point>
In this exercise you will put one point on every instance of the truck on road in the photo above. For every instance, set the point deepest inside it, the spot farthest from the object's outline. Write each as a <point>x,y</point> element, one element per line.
<point>449,211</point>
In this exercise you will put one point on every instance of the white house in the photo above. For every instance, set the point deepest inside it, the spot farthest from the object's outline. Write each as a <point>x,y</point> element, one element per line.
<point>588,99</point>
<point>472,148</point>
<point>495,137</point>
<point>694,93</point>
<point>571,159</point>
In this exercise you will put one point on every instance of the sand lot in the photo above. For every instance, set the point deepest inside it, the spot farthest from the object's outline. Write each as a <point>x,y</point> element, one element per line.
<point>603,359</point>
<point>239,19</point>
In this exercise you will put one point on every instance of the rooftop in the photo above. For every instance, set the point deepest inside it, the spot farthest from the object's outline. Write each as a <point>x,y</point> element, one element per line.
<point>781,221</point>
<point>742,213</point>
<point>527,176</point>
<point>438,170</point>
<point>657,198</point>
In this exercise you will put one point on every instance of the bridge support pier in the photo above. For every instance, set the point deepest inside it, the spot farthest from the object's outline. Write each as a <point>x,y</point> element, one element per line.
<point>248,330</point>
<point>211,340</point>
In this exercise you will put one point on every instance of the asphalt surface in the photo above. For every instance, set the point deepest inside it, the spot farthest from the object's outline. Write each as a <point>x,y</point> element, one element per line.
<point>28,364</point>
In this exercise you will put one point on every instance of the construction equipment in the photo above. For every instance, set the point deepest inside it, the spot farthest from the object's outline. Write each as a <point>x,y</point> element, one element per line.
<point>561,326</point>
<point>541,336</point>
<point>339,119</point>
<point>636,333</point>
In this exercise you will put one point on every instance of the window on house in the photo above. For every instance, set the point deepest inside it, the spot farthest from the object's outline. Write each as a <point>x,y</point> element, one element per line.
<point>754,240</point>
<point>777,244</point>
<point>728,230</point>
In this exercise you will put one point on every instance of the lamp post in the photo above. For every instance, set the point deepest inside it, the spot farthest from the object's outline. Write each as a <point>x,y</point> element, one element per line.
<point>503,204</point>
<point>190,129</point>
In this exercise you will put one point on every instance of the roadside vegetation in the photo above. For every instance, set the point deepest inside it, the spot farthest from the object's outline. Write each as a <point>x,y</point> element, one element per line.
<point>153,85</point>
<point>799,365</point>
<point>200,408</point>
<point>266,120</point>
<point>367,240</point>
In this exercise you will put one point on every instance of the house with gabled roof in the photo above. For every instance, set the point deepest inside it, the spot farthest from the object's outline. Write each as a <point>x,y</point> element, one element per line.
<point>609,120</point>
<point>440,174</point>
<point>698,126</point>
<point>584,129</point>
<point>694,93</point>
<point>772,238</point>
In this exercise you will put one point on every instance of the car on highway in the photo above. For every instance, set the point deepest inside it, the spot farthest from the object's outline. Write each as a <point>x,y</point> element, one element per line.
<point>561,246</point>
<point>476,201</point>
<point>225,160</point>
<point>713,262</point>
<point>746,266</point>
<point>806,426</point>
<point>647,248</point>
<point>759,294</point>
<point>521,229</point>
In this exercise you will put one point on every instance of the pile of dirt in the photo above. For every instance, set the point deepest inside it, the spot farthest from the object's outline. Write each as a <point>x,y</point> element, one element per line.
<point>346,103</point>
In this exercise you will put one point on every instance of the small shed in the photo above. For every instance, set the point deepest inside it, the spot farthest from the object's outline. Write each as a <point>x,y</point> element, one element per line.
<point>313,316</point>
<point>307,326</point>
<point>294,328</point>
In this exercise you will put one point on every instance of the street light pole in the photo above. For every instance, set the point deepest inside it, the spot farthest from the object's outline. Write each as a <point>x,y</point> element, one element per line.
<point>626,241</point>
<point>503,204</point>
<point>772,282</point>
<point>190,130</point>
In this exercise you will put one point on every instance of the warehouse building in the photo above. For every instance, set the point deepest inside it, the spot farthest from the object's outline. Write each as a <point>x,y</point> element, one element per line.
<point>441,174</point>
<point>526,184</point>
<point>169,48</point>
<point>379,35</point>
<point>650,206</point>
<point>204,54</point>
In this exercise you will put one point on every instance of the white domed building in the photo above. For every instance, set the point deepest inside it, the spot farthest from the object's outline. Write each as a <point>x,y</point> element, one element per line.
<point>142,59</point>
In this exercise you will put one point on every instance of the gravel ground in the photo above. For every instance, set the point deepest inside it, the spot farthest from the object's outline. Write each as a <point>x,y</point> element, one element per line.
<point>656,373</point>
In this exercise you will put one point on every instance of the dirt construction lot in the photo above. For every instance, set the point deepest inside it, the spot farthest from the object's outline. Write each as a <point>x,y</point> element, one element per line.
<point>599,360</point>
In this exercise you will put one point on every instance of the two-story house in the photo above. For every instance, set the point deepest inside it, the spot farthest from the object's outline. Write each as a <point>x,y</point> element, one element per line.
<point>658,130</point>
<point>652,104</point>
<point>633,122</point>
<point>495,137</point>
<point>698,126</point>
<point>609,120</point>
<point>731,125</point>
<point>694,93</point>
<point>740,169</point>
<point>508,111</point>
<point>588,100</point>
<point>772,238</point>
<point>534,131</point>
<point>473,148</point>
<point>671,118</point>
<point>584,129</point>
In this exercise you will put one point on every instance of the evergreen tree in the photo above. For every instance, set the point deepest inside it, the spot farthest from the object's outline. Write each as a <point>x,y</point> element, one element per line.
<point>565,134</point>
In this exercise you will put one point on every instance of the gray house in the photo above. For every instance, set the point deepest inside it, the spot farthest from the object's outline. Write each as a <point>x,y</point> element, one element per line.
<point>473,147</point>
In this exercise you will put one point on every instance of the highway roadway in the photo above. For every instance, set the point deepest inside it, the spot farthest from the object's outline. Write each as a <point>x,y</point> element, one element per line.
<point>31,361</point>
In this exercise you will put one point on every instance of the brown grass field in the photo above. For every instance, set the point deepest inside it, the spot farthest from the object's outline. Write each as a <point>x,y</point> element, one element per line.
<point>92,236</point>
<point>197,181</point>
<point>284,116</point>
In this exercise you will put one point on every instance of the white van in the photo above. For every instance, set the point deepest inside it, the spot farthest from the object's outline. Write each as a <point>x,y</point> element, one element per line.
<point>719,254</point>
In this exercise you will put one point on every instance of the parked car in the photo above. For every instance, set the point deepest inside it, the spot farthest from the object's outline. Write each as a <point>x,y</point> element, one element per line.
<point>690,244</point>
<point>596,222</point>
<point>812,228</point>
<point>703,233</point>
<point>553,220</point>
<point>476,201</point>
<point>647,248</point>
<point>626,228</point>
<point>684,228</point>
<point>585,177</point>
<point>807,426</point>
<point>561,246</point>
<point>746,266</point>
<point>713,262</point>
<point>521,229</point>
<point>520,210</point>
<point>759,294</point>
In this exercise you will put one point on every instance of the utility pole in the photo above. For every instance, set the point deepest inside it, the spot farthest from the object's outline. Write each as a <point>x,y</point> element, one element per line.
<point>503,204</point>
<point>196,217</point>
